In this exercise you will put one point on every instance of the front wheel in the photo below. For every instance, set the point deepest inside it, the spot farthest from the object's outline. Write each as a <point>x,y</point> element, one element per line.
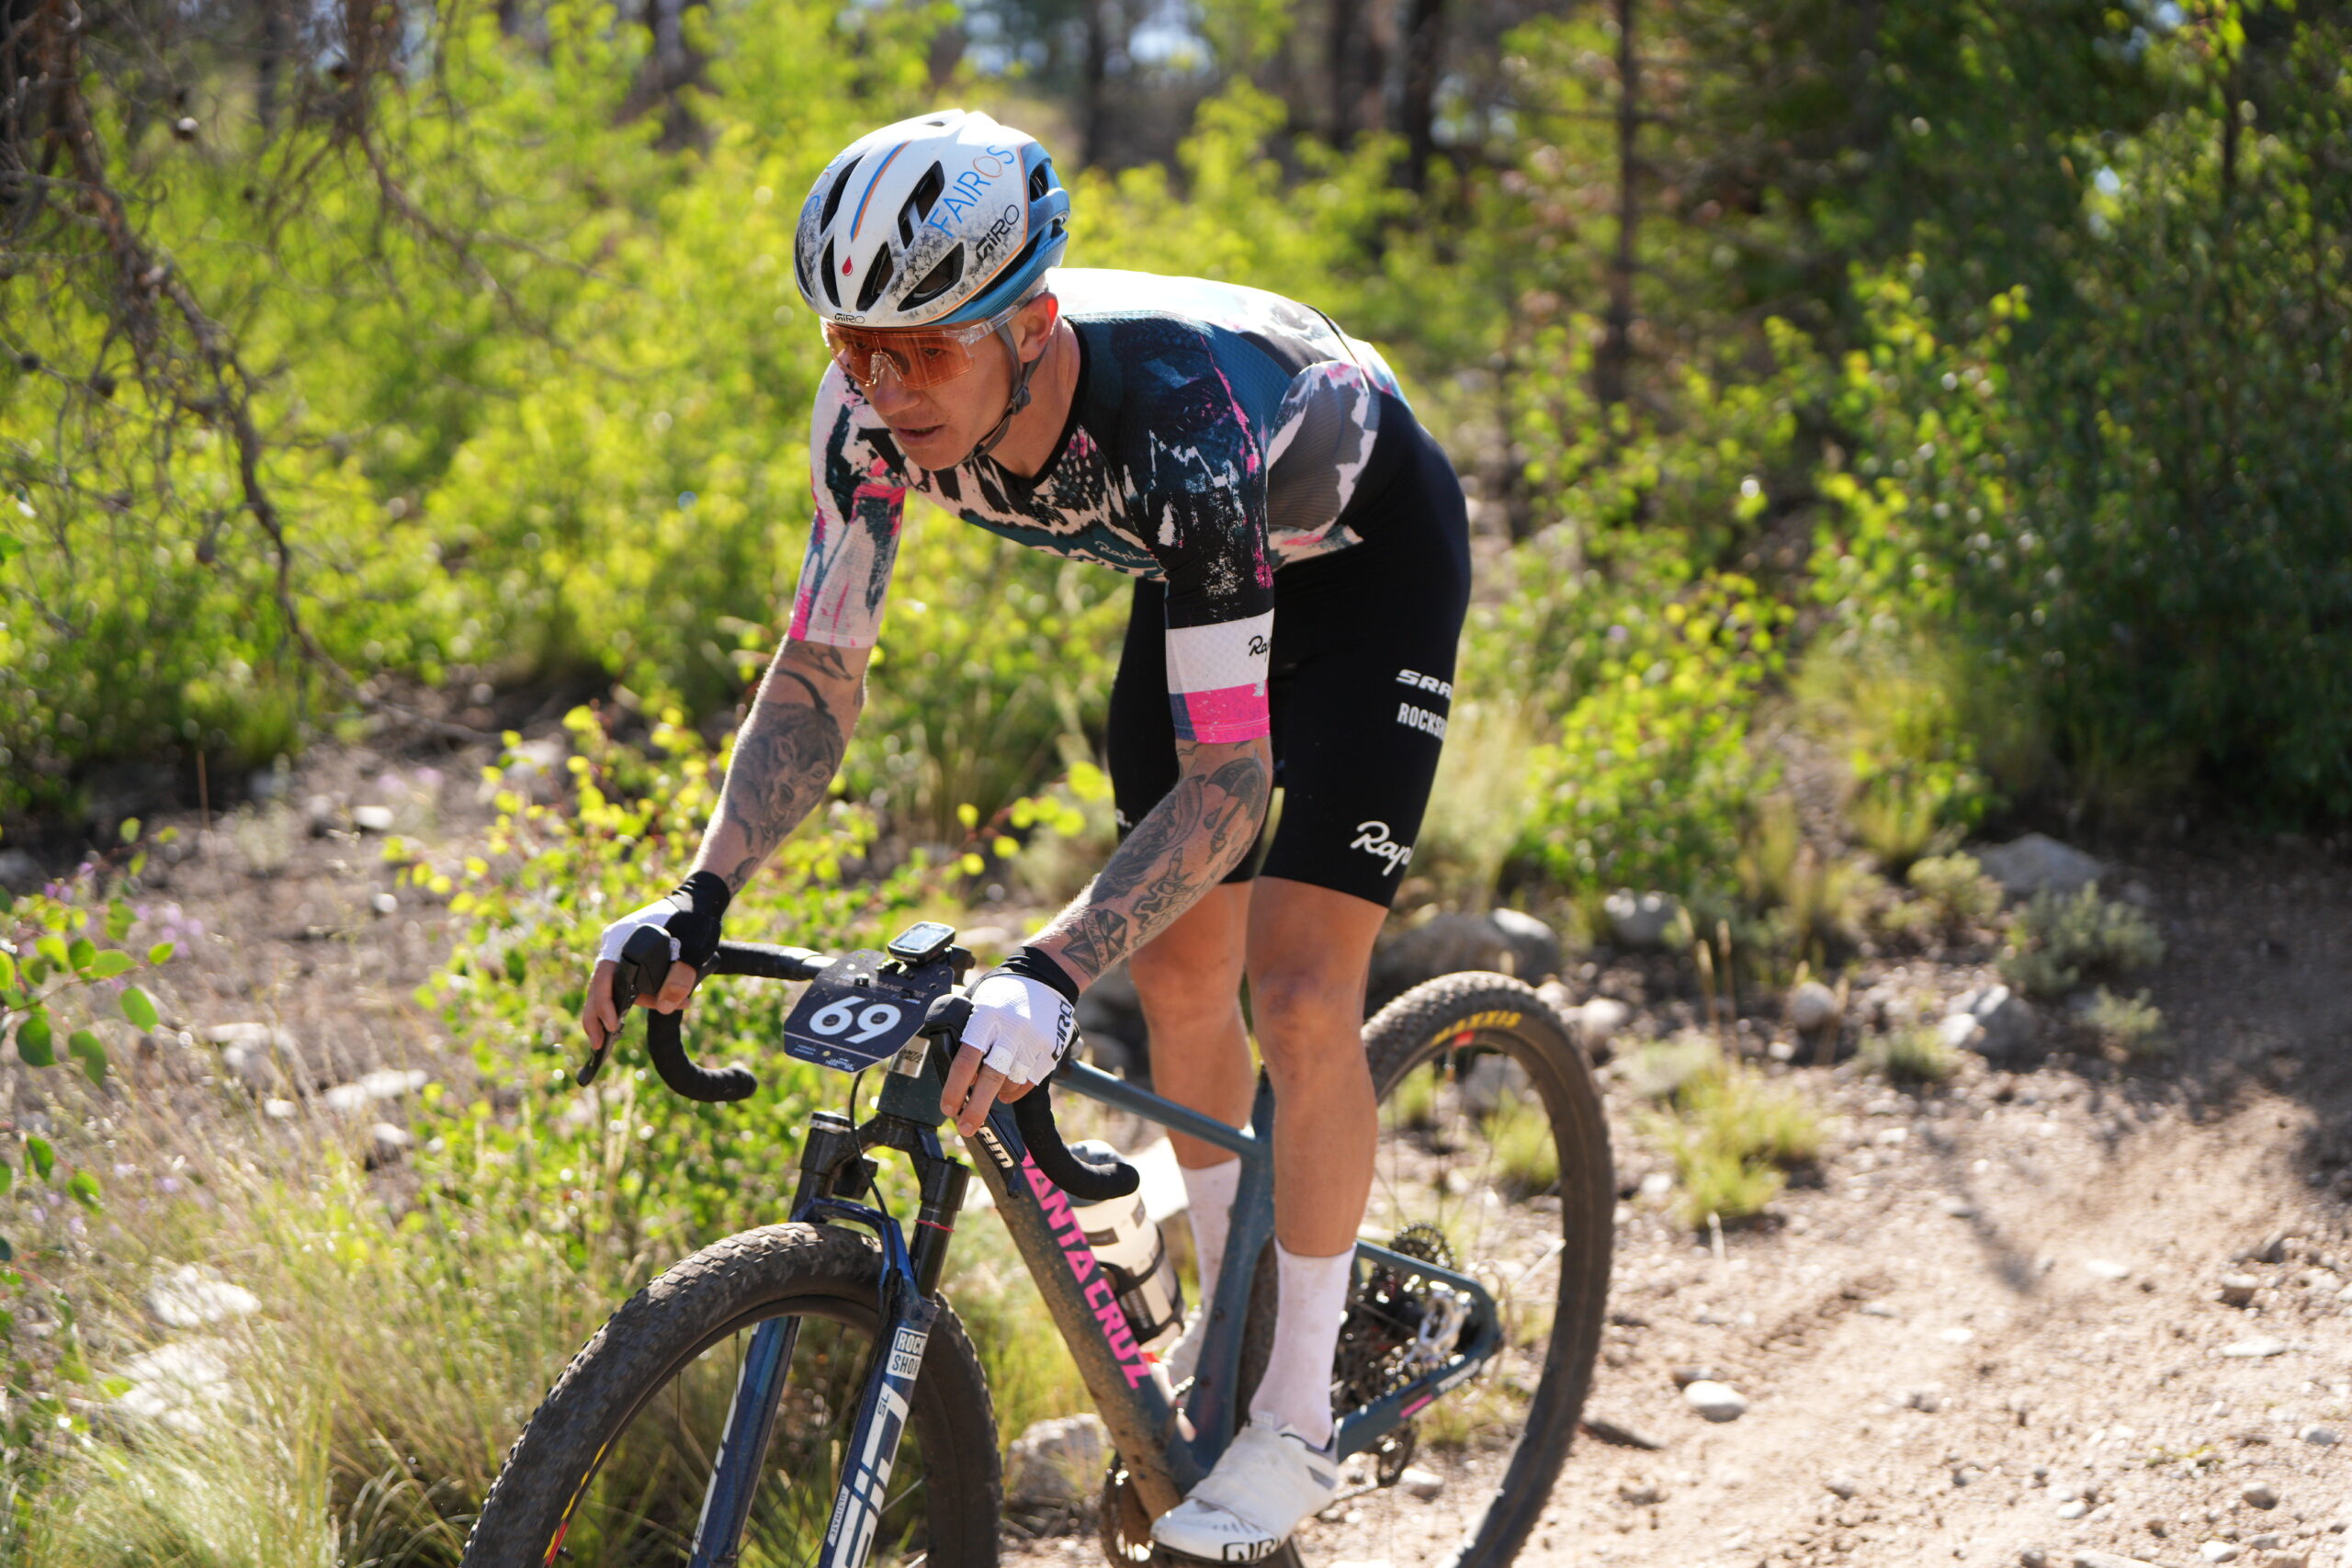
<point>611,1472</point>
<point>1493,1162</point>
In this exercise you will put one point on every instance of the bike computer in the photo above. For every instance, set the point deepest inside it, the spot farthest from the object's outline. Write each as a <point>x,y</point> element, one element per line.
<point>922,942</point>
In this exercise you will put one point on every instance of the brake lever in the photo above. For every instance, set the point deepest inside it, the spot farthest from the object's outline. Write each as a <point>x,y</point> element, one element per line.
<point>642,969</point>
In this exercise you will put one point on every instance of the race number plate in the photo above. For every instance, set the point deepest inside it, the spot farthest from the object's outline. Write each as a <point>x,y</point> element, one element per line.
<point>857,1012</point>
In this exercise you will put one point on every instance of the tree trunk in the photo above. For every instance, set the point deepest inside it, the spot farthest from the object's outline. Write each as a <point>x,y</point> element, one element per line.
<point>1424,54</point>
<point>673,66</point>
<point>1339,66</point>
<point>1611,366</point>
<point>269,64</point>
<point>1094,107</point>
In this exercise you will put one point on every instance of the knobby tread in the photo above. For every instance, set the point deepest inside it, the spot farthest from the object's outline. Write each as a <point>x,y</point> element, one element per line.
<point>661,1329</point>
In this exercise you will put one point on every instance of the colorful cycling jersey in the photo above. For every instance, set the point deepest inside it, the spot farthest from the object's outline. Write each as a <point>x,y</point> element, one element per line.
<point>1215,434</point>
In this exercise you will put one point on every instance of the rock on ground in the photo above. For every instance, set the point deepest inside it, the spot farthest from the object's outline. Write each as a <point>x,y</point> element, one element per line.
<point>1505,940</point>
<point>1716,1400</point>
<point>193,1295</point>
<point>1812,1005</point>
<point>2005,1027</point>
<point>2039,864</point>
<point>1640,919</point>
<point>1057,1463</point>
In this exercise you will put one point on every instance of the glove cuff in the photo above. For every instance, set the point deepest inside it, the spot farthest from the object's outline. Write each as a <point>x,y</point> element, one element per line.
<point>706,894</point>
<point>1032,965</point>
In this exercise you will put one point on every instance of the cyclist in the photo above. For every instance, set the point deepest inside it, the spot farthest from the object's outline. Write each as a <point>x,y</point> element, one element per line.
<point>1300,550</point>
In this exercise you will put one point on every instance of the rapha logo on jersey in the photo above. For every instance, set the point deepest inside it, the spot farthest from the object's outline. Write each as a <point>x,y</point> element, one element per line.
<point>1428,723</point>
<point>1258,646</point>
<point>997,232</point>
<point>1422,683</point>
<point>1373,839</point>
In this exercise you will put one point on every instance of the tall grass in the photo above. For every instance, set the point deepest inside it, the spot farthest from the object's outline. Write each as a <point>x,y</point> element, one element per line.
<point>400,1344</point>
<point>1480,799</point>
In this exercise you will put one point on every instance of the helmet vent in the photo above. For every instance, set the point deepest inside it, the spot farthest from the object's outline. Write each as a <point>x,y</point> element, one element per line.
<point>919,200</point>
<point>825,271</point>
<point>877,278</point>
<point>833,197</point>
<point>1041,180</point>
<point>937,281</point>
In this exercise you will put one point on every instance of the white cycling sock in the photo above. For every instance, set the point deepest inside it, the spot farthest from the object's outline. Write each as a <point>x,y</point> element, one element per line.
<point>1208,1199</point>
<point>1297,1388</point>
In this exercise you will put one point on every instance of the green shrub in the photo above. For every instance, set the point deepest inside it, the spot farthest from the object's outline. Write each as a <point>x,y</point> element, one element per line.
<point>2132,1025</point>
<point>1891,710</point>
<point>1955,900</point>
<point>1917,1054</point>
<point>1527,1159</point>
<point>2060,940</point>
<point>1801,905</point>
<point>1656,1070</point>
<point>1652,779</point>
<point>1733,1136</point>
<point>408,1331</point>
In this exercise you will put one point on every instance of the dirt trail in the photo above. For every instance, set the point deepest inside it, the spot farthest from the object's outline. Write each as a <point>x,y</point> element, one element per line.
<point>2003,1299</point>
<point>1993,1323</point>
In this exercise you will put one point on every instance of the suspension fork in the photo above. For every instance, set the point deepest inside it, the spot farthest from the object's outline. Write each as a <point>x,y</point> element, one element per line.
<point>832,1161</point>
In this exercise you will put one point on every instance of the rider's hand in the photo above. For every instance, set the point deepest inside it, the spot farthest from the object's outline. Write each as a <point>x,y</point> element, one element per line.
<point>690,917</point>
<point>1023,1024</point>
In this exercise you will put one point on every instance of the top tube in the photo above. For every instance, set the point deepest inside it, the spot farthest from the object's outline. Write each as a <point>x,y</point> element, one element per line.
<point>1097,1085</point>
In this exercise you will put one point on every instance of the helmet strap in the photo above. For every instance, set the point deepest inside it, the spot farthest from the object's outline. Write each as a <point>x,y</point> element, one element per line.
<point>1022,370</point>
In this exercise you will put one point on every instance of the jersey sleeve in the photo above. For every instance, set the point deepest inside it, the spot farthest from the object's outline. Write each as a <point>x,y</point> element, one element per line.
<point>1198,448</point>
<point>853,538</point>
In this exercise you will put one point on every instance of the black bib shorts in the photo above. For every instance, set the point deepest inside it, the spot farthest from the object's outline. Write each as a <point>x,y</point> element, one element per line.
<point>1359,685</point>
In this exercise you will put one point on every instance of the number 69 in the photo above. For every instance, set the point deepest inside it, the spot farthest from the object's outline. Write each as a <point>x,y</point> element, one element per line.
<point>836,1018</point>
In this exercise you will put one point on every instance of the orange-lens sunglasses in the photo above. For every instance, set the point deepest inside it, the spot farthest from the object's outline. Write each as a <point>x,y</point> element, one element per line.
<point>920,357</point>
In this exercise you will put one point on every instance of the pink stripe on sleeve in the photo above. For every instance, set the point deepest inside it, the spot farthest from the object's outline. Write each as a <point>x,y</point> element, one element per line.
<point>1227,714</point>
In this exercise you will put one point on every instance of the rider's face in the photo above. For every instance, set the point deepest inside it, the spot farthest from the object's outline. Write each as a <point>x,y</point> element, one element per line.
<point>937,426</point>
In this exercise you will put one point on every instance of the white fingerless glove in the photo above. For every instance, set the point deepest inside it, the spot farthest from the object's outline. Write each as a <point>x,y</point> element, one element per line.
<point>690,918</point>
<point>1023,1025</point>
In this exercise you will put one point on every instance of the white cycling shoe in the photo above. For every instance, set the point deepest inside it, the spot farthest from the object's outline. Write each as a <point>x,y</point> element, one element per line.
<point>1263,1488</point>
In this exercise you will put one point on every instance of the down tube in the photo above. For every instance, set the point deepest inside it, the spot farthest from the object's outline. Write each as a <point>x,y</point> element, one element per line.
<point>1078,1295</point>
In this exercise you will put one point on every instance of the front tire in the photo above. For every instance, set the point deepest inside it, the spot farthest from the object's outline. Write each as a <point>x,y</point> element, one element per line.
<point>611,1470</point>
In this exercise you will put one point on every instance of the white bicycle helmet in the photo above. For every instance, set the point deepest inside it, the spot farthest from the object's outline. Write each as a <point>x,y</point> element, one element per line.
<point>944,218</point>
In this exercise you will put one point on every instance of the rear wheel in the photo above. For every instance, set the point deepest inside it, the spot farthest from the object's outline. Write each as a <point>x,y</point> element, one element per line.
<point>611,1471</point>
<point>1493,1162</point>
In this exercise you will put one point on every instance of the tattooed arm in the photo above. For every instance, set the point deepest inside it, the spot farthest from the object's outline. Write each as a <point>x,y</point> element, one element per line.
<point>1182,847</point>
<point>785,755</point>
<point>784,758</point>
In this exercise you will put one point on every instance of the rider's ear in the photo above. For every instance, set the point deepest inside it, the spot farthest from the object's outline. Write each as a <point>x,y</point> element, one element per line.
<point>1034,324</point>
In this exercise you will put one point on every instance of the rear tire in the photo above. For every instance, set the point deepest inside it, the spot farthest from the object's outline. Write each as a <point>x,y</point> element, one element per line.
<point>1544,1140</point>
<point>604,1472</point>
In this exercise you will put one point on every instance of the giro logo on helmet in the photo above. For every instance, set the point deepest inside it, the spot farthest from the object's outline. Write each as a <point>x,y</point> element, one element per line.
<point>1004,225</point>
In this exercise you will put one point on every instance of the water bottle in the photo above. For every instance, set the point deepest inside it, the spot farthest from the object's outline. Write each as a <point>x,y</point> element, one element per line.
<point>1135,1255</point>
